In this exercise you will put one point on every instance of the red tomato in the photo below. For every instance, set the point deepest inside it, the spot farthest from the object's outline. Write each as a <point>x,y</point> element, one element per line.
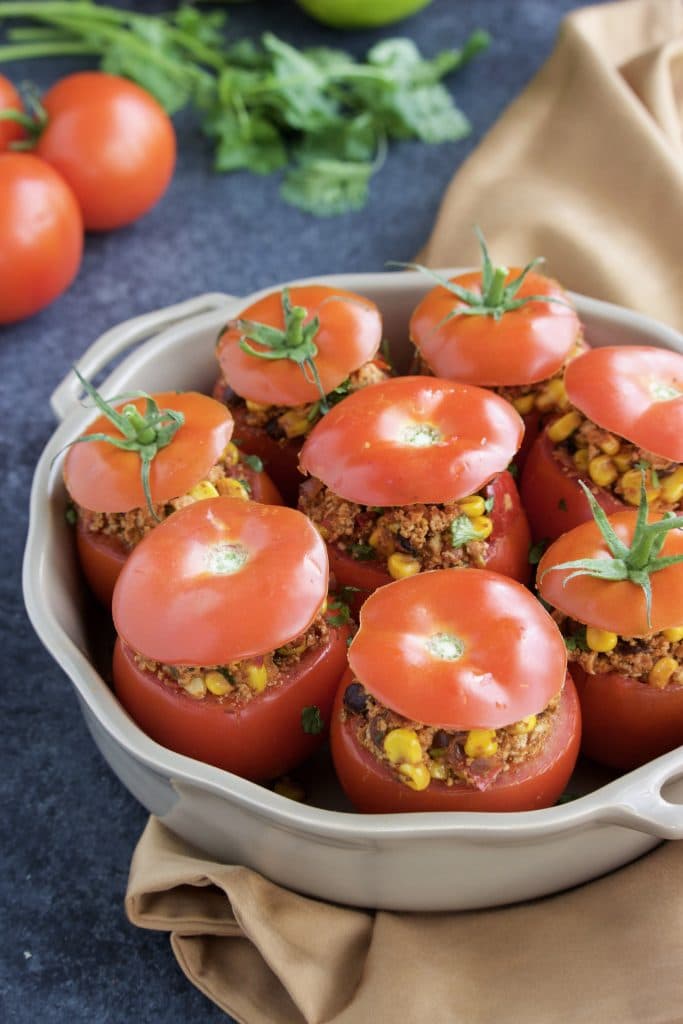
<point>524,346</point>
<point>349,335</point>
<point>261,739</point>
<point>615,605</point>
<point>372,788</point>
<point>508,545</point>
<point>627,722</point>
<point>633,391</point>
<point>10,99</point>
<point>412,440</point>
<point>41,236</point>
<point>112,142</point>
<point>226,580</point>
<point>499,628</point>
<point>551,495</point>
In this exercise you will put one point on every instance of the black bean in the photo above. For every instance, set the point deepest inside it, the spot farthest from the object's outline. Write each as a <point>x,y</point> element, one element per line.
<point>355,698</point>
<point>274,430</point>
<point>378,730</point>
<point>405,544</point>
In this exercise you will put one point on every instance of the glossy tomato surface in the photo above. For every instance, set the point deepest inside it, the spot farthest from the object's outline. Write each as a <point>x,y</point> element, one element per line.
<point>261,739</point>
<point>633,391</point>
<point>221,580</point>
<point>627,722</point>
<point>615,605</point>
<point>349,335</point>
<point>10,99</point>
<point>551,494</point>
<point>112,142</point>
<point>41,236</point>
<point>372,788</point>
<point>508,552</point>
<point>412,440</point>
<point>453,648</point>
<point>101,477</point>
<point>524,346</point>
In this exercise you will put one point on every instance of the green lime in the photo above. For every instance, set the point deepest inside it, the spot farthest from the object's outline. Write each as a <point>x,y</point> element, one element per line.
<point>360,13</point>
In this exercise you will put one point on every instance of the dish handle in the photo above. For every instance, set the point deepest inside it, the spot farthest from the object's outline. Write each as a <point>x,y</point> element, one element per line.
<point>643,806</point>
<point>120,338</point>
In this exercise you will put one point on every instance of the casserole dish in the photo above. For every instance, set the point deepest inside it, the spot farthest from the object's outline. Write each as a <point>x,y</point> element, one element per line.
<point>419,862</point>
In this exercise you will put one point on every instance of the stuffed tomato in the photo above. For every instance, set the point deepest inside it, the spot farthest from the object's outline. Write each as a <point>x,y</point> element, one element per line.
<point>143,460</point>
<point>616,585</point>
<point>410,475</point>
<point>288,358</point>
<point>225,650</point>
<point>626,417</point>
<point>457,698</point>
<point>513,330</point>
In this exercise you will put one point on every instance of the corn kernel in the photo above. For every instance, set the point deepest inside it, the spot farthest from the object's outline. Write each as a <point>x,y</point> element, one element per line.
<point>323,607</point>
<point>661,672</point>
<point>401,566</point>
<point>564,427</point>
<point>204,489</point>
<point>672,487</point>
<point>255,406</point>
<point>581,459</point>
<point>552,396</point>
<point>483,526</point>
<point>231,455</point>
<point>601,640</point>
<point>403,746</point>
<point>231,488</point>
<point>674,635</point>
<point>524,726</point>
<point>257,677</point>
<point>472,507</point>
<point>481,743</point>
<point>195,687</point>
<point>611,445</point>
<point>294,423</point>
<point>622,462</point>
<point>217,684</point>
<point>438,770</point>
<point>524,404</point>
<point>415,776</point>
<point>602,470</point>
<point>322,530</point>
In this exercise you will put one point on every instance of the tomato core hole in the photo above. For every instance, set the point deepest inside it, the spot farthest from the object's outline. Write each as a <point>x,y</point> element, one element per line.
<point>445,646</point>
<point>420,435</point>
<point>226,559</point>
<point>664,391</point>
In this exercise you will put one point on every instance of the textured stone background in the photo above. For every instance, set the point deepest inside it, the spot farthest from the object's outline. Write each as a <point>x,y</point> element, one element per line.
<point>67,952</point>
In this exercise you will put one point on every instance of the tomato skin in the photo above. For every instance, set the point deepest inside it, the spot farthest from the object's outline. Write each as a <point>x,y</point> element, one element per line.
<point>626,722</point>
<point>261,741</point>
<point>10,99</point>
<point>112,142</point>
<point>551,494</point>
<point>372,788</point>
<point>41,236</point>
<point>508,545</point>
<point>280,458</point>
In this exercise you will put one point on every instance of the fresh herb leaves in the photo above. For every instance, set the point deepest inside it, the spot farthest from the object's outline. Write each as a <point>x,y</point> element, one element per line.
<point>311,720</point>
<point>462,531</point>
<point>321,115</point>
<point>253,461</point>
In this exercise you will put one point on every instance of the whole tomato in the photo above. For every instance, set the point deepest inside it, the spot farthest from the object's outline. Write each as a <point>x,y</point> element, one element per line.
<point>112,142</point>
<point>41,236</point>
<point>10,131</point>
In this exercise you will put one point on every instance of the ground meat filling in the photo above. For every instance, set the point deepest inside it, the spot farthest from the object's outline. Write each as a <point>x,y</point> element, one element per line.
<point>616,464</point>
<point>240,681</point>
<point>418,755</point>
<point>229,476</point>
<point>433,536</point>
<point>547,397</point>
<point>282,422</point>
<point>655,660</point>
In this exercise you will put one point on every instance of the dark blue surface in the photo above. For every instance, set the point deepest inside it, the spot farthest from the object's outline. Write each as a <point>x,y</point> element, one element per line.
<point>67,952</point>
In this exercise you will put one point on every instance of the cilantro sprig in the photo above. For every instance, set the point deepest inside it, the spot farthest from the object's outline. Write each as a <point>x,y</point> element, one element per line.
<point>318,114</point>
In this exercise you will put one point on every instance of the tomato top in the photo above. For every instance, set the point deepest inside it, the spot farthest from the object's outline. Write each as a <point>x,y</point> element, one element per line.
<point>412,439</point>
<point>10,130</point>
<point>221,580</point>
<point>633,391</point>
<point>618,605</point>
<point>103,478</point>
<point>524,345</point>
<point>348,335</point>
<point>458,649</point>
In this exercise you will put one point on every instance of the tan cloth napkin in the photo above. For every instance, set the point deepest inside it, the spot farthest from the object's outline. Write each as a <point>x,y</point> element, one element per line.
<point>586,168</point>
